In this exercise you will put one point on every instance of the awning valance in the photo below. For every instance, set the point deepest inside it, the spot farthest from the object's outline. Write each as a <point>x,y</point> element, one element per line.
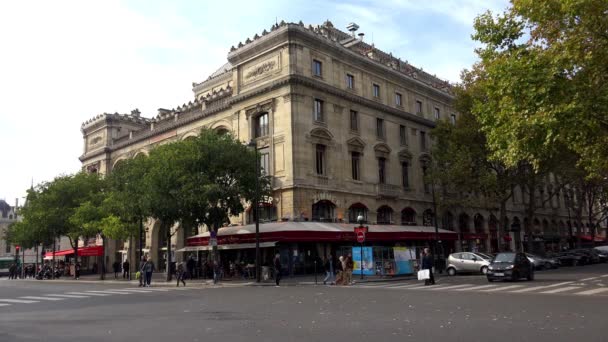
<point>225,247</point>
<point>82,251</point>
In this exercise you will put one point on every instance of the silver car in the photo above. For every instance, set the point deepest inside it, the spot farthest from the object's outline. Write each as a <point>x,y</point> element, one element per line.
<point>467,262</point>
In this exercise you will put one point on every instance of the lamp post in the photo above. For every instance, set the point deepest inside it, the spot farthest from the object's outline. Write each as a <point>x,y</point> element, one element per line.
<point>360,232</point>
<point>258,276</point>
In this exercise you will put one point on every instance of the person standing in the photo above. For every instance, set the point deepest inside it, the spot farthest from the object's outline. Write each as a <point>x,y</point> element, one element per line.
<point>126,270</point>
<point>328,265</point>
<point>181,273</point>
<point>148,269</point>
<point>116,269</point>
<point>190,267</point>
<point>217,269</point>
<point>11,271</point>
<point>277,269</point>
<point>427,264</point>
<point>77,270</point>
<point>348,270</point>
<point>340,271</point>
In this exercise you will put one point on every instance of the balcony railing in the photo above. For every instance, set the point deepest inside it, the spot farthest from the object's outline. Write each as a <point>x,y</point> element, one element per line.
<point>388,191</point>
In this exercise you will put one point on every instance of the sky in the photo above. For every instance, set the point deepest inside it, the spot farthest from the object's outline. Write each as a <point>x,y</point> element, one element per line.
<point>63,62</point>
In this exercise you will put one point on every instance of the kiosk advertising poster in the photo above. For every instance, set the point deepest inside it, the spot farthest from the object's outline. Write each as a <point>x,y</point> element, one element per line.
<point>404,258</point>
<point>368,260</point>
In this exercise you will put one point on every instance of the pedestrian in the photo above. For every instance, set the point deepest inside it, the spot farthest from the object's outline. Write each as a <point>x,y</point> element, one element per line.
<point>126,270</point>
<point>116,268</point>
<point>217,269</point>
<point>348,270</point>
<point>339,270</point>
<point>181,273</point>
<point>328,265</point>
<point>190,267</point>
<point>277,269</point>
<point>77,270</point>
<point>148,269</point>
<point>427,264</point>
<point>11,271</point>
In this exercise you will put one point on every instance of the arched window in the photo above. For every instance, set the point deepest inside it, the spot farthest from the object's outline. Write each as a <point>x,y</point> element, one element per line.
<point>537,227</point>
<point>448,221</point>
<point>463,223</point>
<point>493,224</point>
<point>428,218</point>
<point>385,215</point>
<point>267,212</point>
<point>323,211</point>
<point>408,217</point>
<point>355,211</point>
<point>478,222</point>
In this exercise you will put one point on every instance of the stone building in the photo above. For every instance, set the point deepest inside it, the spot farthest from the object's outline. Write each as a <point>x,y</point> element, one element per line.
<point>341,126</point>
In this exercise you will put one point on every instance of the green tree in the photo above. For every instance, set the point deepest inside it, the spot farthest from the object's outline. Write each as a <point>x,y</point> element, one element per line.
<point>543,77</point>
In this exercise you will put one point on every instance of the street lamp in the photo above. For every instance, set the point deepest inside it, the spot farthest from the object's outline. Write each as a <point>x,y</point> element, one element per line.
<point>360,232</point>
<point>258,276</point>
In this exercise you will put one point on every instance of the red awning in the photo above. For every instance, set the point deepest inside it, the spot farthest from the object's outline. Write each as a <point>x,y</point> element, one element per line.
<point>82,251</point>
<point>588,238</point>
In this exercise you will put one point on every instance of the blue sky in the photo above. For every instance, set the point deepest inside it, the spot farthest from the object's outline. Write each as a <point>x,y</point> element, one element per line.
<point>64,62</point>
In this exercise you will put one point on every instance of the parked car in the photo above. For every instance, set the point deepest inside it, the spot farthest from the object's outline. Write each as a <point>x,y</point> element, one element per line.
<point>603,255</point>
<point>539,262</point>
<point>570,259</point>
<point>510,266</point>
<point>467,262</point>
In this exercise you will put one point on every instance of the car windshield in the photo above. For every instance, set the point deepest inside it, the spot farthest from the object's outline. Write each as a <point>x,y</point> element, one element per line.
<point>504,257</point>
<point>484,256</point>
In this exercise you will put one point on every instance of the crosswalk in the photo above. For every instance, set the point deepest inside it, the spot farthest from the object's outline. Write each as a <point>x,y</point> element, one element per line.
<point>575,288</point>
<point>56,297</point>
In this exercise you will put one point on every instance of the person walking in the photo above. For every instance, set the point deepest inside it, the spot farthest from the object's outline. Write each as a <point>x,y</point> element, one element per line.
<point>277,269</point>
<point>328,265</point>
<point>348,270</point>
<point>339,271</point>
<point>11,271</point>
<point>181,273</point>
<point>190,267</point>
<point>126,269</point>
<point>77,270</point>
<point>116,269</point>
<point>217,269</point>
<point>427,264</point>
<point>148,269</point>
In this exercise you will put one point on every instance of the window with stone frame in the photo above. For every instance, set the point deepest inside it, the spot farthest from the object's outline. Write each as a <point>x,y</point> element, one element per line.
<point>376,90</point>
<point>381,170</point>
<point>405,174</point>
<point>355,165</point>
<point>384,215</point>
<point>408,217</point>
<point>318,111</point>
<point>320,166</point>
<point>354,121</point>
<point>260,125</point>
<point>355,211</point>
<point>350,81</point>
<point>423,141</point>
<point>323,211</point>
<point>380,132</point>
<point>264,162</point>
<point>317,68</point>
<point>437,113</point>
<point>402,135</point>
<point>418,107</point>
<point>398,100</point>
<point>453,119</point>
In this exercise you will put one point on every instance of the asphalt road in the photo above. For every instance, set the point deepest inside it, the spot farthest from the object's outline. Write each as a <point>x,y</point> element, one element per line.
<point>390,311</point>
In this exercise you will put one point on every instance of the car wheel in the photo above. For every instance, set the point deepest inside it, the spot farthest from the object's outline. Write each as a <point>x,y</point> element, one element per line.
<point>530,275</point>
<point>490,280</point>
<point>515,276</point>
<point>451,271</point>
<point>484,269</point>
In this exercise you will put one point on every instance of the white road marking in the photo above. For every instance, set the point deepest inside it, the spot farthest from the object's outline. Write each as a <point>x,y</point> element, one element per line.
<point>19,301</point>
<point>562,289</point>
<point>88,294</point>
<point>449,287</point>
<point>604,276</point>
<point>587,279</point>
<point>151,289</point>
<point>428,287</point>
<point>403,286</point>
<point>108,292</point>
<point>476,288</point>
<point>135,291</point>
<point>67,295</point>
<point>3,304</point>
<point>591,292</point>
<point>41,298</point>
<point>528,289</point>
<point>503,288</point>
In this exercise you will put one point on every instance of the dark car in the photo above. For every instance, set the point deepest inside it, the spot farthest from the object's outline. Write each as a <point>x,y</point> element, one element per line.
<point>569,259</point>
<point>510,266</point>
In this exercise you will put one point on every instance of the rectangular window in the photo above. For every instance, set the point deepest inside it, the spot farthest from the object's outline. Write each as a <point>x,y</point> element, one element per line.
<point>381,171</point>
<point>261,125</point>
<point>398,99</point>
<point>320,159</point>
<point>264,162</point>
<point>7,248</point>
<point>354,120</point>
<point>422,141</point>
<point>453,119</point>
<point>405,175</point>
<point>418,107</point>
<point>376,90</point>
<point>402,135</point>
<point>350,81</point>
<point>437,114</point>
<point>317,68</point>
<point>319,110</point>
<point>427,185</point>
<point>380,128</point>
<point>355,160</point>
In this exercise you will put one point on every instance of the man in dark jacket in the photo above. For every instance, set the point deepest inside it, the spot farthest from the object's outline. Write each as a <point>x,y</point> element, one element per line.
<point>126,269</point>
<point>277,269</point>
<point>190,266</point>
<point>427,264</point>
<point>116,269</point>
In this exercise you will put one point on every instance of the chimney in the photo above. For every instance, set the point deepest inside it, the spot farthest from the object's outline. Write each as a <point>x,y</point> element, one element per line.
<point>352,27</point>
<point>361,36</point>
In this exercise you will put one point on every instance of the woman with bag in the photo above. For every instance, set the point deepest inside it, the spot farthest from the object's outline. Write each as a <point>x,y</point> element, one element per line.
<point>427,264</point>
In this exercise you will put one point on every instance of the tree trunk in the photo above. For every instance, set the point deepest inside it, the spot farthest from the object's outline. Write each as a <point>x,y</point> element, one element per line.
<point>54,250</point>
<point>75,257</point>
<point>530,215</point>
<point>103,258</point>
<point>36,262</point>
<point>502,228</point>
<point>168,235</point>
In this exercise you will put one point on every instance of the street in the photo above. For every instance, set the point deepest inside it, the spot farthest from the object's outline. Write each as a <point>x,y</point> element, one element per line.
<point>560,305</point>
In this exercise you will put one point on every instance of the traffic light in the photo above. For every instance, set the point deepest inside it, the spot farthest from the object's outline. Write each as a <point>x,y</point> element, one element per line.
<point>17,249</point>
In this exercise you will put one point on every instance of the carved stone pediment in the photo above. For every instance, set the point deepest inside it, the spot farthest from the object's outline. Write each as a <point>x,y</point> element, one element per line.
<point>382,150</point>
<point>355,144</point>
<point>424,158</point>
<point>321,134</point>
<point>404,155</point>
<point>262,107</point>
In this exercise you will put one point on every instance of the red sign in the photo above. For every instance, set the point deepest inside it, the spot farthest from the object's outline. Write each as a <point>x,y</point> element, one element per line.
<point>360,233</point>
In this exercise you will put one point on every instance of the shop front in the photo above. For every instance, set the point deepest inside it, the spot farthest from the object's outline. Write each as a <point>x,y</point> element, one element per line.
<point>88,258</point>
<point>302,246</point>
<point>473,242</point>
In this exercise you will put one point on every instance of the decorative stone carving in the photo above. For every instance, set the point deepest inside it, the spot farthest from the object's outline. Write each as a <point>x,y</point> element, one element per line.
<point>259,69</point>
<point>382,150</point>
<point>263,107</point>
<point>355,144</point>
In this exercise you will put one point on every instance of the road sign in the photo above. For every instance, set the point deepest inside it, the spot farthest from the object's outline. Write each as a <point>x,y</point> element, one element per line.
<point>360,237</point>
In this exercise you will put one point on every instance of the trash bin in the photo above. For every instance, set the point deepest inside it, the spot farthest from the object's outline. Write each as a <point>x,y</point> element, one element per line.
<point>265,273</point>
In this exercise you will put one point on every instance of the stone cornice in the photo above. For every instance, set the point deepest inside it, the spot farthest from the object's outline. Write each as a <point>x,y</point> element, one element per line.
<point>278,83</point>
<point>196,87</point>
